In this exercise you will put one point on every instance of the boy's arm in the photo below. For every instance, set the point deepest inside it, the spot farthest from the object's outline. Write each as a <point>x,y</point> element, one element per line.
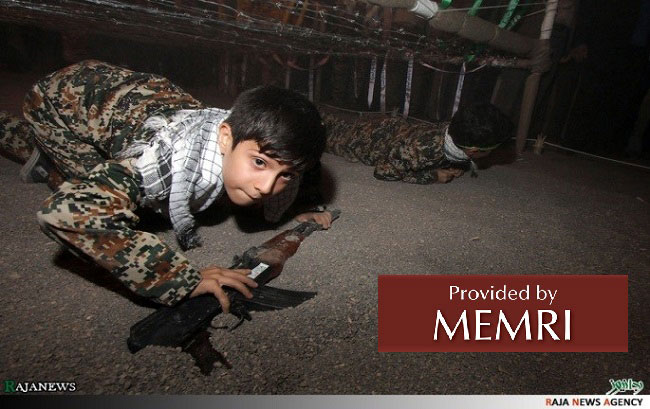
<point>94,219</point>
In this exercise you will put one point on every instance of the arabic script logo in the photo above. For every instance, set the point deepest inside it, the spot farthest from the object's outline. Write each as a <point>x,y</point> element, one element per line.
<point>625,385</point>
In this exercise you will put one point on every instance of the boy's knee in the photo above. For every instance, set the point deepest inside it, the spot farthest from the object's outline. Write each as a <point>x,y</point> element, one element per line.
<point>64,209</point>
<point>55,213</point>
<point>57,218</point>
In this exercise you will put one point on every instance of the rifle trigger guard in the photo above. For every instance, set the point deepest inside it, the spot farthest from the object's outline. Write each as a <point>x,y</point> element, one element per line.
<point>234,327</point>
<point>239,311</point>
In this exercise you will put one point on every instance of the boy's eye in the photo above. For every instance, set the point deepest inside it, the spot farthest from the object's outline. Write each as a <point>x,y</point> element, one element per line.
<point>259,162</point>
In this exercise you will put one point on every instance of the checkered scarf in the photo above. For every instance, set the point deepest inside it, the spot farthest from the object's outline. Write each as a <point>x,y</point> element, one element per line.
<point>456,155</point>
<point>183,162</point>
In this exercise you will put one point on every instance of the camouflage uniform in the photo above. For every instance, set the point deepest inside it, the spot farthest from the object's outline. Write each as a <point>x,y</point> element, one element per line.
<point>88,112</point>
<point>399,150</point>
<point>82,116</point>
<point>16,138</point>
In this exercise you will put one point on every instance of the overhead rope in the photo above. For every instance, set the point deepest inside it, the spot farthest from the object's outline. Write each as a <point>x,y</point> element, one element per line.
<point>431,67</point>
<point>488,7</point>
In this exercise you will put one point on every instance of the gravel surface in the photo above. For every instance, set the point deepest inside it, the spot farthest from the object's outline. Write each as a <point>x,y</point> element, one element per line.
<point>551,214</point>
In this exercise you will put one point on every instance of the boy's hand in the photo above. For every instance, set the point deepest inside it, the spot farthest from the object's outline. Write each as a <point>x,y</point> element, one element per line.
<point>447,175</point>
<point>213,278</point>
<point>322,218</point>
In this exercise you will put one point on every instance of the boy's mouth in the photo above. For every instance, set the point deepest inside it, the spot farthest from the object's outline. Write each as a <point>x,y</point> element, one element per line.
<point>253,198</point>
<point>241,197</point>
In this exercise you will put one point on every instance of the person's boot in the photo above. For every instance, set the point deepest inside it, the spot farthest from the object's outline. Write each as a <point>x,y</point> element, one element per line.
<point>36,169</point>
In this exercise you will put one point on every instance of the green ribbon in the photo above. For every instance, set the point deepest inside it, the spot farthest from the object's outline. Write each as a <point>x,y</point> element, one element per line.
<point>517,16</point>
<point>474,9</point>
<point>509,12</point>
<point>445,3</point>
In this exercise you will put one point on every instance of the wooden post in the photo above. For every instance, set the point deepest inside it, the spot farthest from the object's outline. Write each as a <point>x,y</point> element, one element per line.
<point>526,110</point>
<point>532,82</point>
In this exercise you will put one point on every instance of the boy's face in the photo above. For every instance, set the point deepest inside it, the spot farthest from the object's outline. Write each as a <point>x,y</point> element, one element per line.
<point>249,175</point>
<point>476,153</point>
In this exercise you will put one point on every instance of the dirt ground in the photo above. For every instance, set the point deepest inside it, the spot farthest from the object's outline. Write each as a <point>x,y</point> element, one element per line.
<point>66,320</point>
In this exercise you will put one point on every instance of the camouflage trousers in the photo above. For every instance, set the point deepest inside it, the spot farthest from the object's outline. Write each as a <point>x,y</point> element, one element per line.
<point>398,149</point>
<point>81,117</point>
<point>88,112</point>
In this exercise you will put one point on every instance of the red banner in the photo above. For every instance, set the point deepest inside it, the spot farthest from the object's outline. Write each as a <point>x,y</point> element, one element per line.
<point>522,313</point>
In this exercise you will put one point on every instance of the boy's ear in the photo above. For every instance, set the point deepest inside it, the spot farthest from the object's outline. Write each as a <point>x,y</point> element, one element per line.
<point>225,138</point>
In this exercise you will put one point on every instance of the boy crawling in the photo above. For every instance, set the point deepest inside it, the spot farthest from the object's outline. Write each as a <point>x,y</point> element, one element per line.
<point>122,140</point>
<point>420,152</point>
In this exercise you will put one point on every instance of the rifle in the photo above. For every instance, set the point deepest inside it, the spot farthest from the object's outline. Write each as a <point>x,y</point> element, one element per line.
<point>186,324</point>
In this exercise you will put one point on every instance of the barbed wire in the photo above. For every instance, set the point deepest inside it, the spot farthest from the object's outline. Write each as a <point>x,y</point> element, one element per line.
<point>359,29</point>
<point>247,27</point>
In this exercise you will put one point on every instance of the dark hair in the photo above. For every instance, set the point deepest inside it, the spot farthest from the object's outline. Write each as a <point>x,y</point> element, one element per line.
<point>286,125</point>
<point>480,126</point>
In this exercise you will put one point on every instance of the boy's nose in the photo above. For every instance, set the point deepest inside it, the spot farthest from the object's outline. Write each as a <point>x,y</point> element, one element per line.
<point>265,185</point>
